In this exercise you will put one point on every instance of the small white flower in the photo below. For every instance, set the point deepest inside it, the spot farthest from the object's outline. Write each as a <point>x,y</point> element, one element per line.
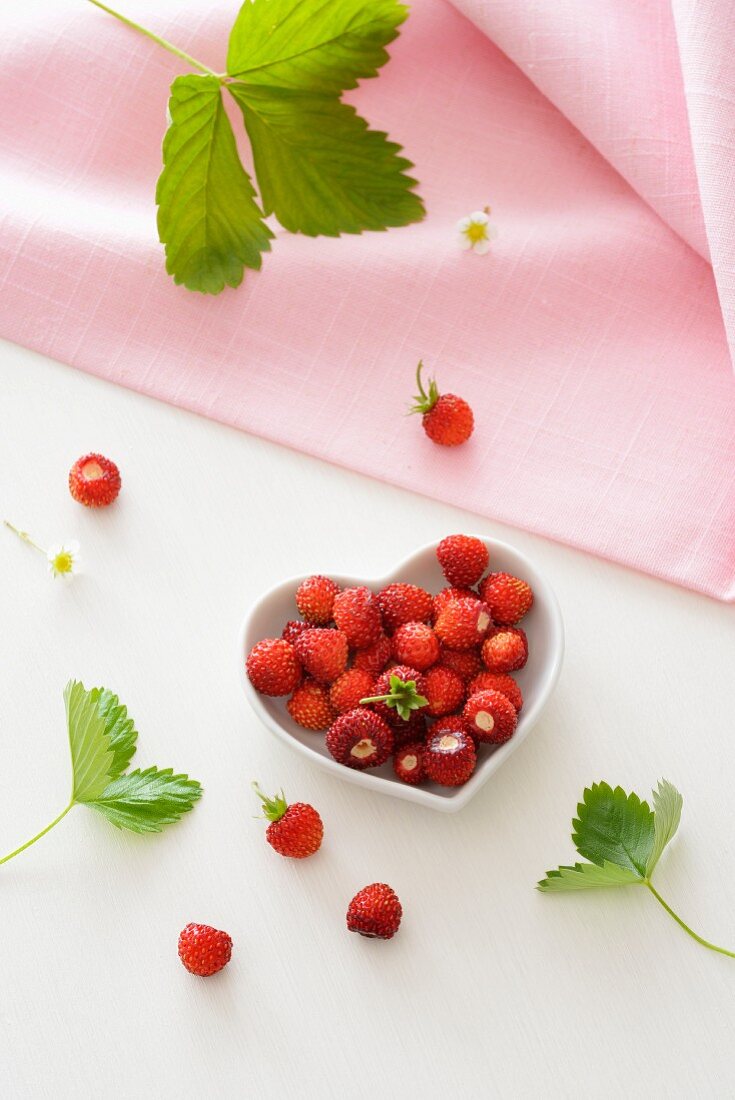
<point>63,560</point>
<point>476,232</point>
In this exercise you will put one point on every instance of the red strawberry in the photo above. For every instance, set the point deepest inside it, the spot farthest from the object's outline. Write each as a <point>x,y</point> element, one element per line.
<point>406,733</point>
<point>309,706</point>
<point>315,599</point>
<point>445,691</point>
<point>352,686</point>
<point>322,652</point>
<point>375,912</point>
<point>404,603</point>
<point>447,419</point>
<point>465,662</point>
<point>463,559</point>
<point>455,723</point>
<point>375,657</point>
<point>463,624</point>
<point>357,613</point>
<point>295,831</point>
<point>497,681</point>
<point>360,739</point>
<point>94,481</point>
<point>417,645</point>
<point>440,601</point>
<point>273,667</point>
<point>505,649</point>
<point>449,754</point>
<point>393,697</point>
<point>408,763</point>
<point>292,629</point>
<point>508,597</point>
<point>491,715</point>
<point>204,950</point>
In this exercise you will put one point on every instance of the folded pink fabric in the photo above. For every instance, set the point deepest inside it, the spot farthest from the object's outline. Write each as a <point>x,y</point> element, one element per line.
<point>590,341</point>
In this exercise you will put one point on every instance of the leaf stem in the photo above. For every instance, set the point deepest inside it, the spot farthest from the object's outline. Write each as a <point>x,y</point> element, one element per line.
<point>38,835</point>
<point>679,921</point>
<point>24,534</point>
<point>161,41</point>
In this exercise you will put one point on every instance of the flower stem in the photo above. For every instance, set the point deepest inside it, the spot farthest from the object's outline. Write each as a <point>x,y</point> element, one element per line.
<point>679,921</point>
<point>38,835</point>
<point>25,536</point>
<point>161,41</point>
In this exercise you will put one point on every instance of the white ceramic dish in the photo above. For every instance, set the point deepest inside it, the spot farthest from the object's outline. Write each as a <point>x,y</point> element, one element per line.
<point>545,630</point>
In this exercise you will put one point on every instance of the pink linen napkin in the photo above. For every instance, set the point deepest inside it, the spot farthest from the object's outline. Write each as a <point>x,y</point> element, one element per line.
<point>590,341</point>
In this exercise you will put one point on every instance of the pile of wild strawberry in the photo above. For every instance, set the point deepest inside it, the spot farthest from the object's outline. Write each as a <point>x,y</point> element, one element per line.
<point>424,679</point>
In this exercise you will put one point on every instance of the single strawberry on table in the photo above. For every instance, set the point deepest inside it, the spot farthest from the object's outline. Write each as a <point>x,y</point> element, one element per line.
<point>492,716</point>
<point>463,559</point>
<point>322,652</point>
<point>295,831</point>
<point>360,739</point>
<point>375,912</point>
<point>508,597</point>
<point>447,419</point>
<point>94,481</point>
<point>404,603</point>
<point>204,950</point>
<point>357,614</point>
<point>417,645</point>
<point>274,667</point>
<point>315,599</point>
<point>310,706</point>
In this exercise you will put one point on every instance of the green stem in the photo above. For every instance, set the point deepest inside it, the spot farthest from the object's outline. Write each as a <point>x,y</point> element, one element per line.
<point>24,534</point>
<point>679,921</point>
<point>161,41</point>
<point>38,835</point>
<point>422,393</point>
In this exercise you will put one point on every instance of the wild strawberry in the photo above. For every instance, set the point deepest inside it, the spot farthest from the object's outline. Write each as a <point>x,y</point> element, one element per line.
<point>404,603</point>
<point>94,481</point>
<point>292,629</point>
<point>309,706</point>
<point>374,657</point>
<point>295,831</point>
<point>497,681</point>
<point>347,691</point>
<point>445,691</point>
<point>357,613</point>
<point>397,693</point>
<point>322,652</point>
<point>447,419</point>
<point>273,667</point>
<point>375,911</point>
<point>508,597</point>
<point>505,649</point>
<point>463,559</point>
<point>410,731</point>
<point>408,763</point>
<point>491,715</point>
<point>204,950</point>
<point>440,601</point>
<point>462,624</point>
<point>453,723</point>
<point>417,645</point>
<point>315,599</point>
<point>465,662</point>
<point>360,739</point>
<point>449,754</point>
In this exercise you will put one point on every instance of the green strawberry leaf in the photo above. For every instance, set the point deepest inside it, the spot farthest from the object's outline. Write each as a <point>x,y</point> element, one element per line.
<point>667,804</point>
<point>119,728</point>
<point>320,168</point>
<point>317,47</point>
<point>586,876</point>
<point>207,215</point>
<point>92,757</point>
<point>614,826</point>
<point>145,801</point>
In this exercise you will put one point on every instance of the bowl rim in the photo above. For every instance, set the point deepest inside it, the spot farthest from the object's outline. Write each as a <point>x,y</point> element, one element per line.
<point>460,796</point>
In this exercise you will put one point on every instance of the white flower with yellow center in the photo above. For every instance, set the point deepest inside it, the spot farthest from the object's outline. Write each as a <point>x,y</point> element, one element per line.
<point>476,232</point>
<point>63,561</point>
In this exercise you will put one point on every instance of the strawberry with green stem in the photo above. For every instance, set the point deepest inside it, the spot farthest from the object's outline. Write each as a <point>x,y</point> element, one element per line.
<point>295,831</point>
<point>447,419</point>
<point>402,696</point>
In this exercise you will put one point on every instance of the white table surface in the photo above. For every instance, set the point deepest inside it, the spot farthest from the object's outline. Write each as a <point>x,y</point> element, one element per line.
<point>490,988</point>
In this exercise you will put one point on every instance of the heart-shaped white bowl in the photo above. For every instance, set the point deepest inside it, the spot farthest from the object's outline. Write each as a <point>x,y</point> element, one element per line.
<point>544,628</point>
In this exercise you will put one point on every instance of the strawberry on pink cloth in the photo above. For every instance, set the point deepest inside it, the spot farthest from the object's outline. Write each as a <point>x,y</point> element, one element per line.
<point>590,341</point>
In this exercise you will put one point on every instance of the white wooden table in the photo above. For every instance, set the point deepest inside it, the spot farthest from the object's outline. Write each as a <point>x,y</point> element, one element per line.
<point>490,989</point>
